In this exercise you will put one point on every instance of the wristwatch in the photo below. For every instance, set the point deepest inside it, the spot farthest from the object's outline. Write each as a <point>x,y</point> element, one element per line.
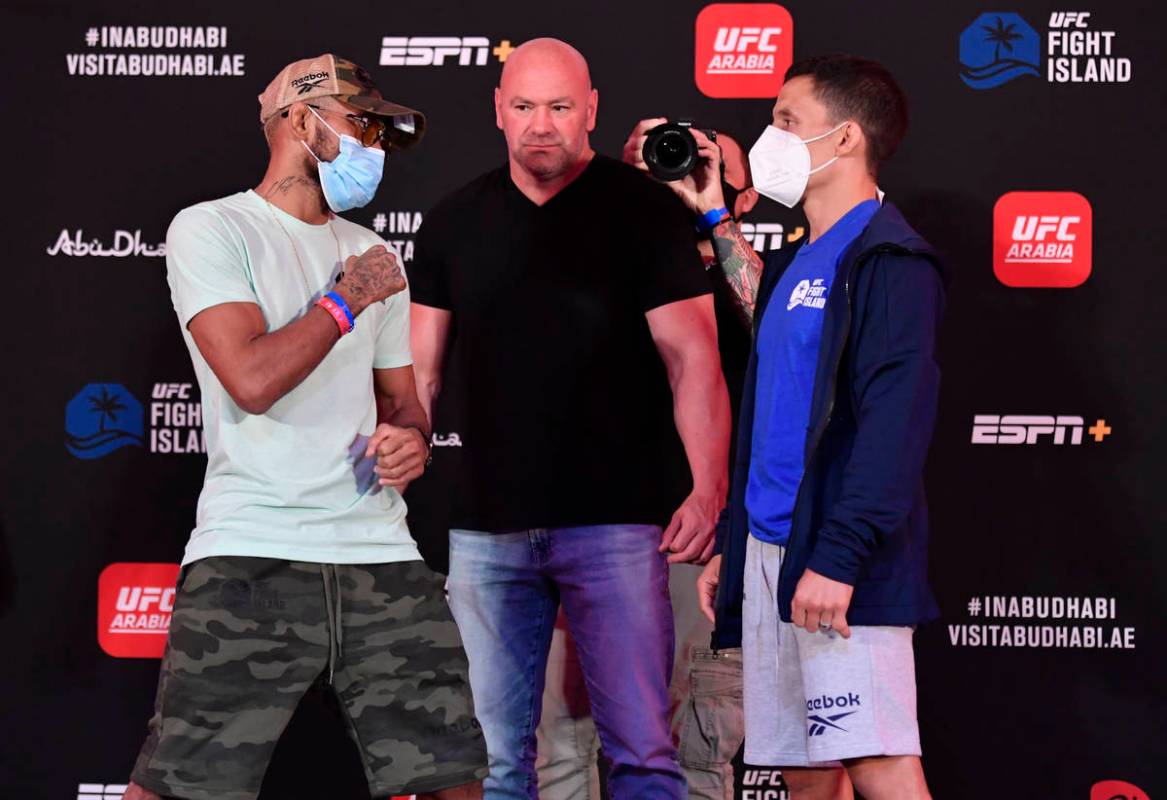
<point>429,446</point>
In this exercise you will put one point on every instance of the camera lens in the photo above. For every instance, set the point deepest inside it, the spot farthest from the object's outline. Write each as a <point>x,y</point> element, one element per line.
<point>670,151</point>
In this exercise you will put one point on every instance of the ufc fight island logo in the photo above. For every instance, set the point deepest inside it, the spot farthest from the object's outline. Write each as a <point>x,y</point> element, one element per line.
<point>134,604</point>
<point>743,49</point>
<point>763,784</point>
<point>1042,239</point>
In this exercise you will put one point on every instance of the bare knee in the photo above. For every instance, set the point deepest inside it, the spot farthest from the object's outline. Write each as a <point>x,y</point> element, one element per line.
<point>467,791</point>
<point>817,784</point>
<point>889,778</point>
<point>136,792</point>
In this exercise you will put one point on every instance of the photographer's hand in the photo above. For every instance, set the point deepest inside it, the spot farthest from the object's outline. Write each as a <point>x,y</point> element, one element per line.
<point>701,189</point>
<point>701,192</point>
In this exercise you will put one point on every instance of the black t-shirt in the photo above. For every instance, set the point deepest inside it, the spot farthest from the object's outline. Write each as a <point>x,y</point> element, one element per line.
<point>552,381</point>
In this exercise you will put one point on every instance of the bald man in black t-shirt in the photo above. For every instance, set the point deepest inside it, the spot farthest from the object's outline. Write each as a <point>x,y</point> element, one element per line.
<point>561,303</point>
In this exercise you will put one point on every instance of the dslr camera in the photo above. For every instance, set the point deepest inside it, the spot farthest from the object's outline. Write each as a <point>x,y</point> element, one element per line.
<point>670,151</point>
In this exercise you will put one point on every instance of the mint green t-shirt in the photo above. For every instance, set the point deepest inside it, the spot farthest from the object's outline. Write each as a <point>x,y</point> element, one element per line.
<point>292,483</point>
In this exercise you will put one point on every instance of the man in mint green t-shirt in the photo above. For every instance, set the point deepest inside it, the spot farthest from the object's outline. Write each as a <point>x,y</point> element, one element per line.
<point>301,569</point>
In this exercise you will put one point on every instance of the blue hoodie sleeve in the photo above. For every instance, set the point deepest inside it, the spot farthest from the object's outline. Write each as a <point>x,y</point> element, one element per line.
<point>721,531</point>
<point>895,391</point>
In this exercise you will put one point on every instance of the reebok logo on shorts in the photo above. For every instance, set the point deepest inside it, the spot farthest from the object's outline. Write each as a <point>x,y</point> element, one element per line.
<point>820,723</point>
<point>238,593</point>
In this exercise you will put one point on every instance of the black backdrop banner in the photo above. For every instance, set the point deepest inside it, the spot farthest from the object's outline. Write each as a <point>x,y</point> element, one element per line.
<point>1033,163</point>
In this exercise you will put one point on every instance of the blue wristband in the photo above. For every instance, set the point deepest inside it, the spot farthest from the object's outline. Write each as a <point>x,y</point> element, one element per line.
<point>709,219</point>
<point>336,298</point>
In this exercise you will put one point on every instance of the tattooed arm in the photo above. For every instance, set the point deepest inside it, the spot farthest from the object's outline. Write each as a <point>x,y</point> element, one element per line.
<point>374,275</point>
<point>700,190</point>
<point>258,367</point>
<point>741,264</point>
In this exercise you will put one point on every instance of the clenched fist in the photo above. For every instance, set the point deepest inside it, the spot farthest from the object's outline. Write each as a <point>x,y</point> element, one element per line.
<point>374,275</point>
<point>401,455</point>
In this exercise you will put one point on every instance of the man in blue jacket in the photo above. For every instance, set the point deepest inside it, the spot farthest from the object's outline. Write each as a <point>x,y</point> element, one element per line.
<point>826,530</point>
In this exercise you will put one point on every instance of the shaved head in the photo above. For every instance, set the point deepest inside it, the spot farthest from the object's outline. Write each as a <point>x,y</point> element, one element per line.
<point>545,106</point>
<point>547,56</point>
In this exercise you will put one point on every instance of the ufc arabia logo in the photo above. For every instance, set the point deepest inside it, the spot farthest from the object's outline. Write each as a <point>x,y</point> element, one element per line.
<point>134,607</point>
<point>1042,239</point>
<point>1117,790</point>
<point>742,49</point>
<point>146,598</point>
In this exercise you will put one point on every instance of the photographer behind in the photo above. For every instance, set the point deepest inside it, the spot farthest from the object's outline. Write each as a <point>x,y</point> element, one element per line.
<point>708,719</point>
<point>706,688</point>
<point>825,535</point>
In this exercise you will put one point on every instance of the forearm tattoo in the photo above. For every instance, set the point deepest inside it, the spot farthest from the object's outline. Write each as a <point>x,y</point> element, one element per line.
<point>741,264</point>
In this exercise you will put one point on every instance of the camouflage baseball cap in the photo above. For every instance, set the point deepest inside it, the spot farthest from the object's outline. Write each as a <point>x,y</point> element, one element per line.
<point>330,76</point>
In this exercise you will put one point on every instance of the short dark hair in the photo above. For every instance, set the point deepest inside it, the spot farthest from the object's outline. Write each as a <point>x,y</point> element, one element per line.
<point>863,90</point>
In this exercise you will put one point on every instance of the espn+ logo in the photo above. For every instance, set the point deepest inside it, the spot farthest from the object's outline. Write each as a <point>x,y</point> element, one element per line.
<point>434,51</point>
<point>134,606</point>
<point>743,49</point>
<point>1028,429</point>
<point>1042,239</point>
<point>764,236</point>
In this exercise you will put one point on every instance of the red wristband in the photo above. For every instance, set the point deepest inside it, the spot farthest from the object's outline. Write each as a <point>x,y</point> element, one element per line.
<point>337,314</point>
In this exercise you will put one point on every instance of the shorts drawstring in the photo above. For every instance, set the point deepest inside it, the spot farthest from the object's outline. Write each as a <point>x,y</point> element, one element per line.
<point>332,610</point>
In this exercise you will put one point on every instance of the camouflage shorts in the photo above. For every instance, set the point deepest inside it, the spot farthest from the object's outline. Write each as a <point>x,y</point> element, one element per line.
<point>249,636</point>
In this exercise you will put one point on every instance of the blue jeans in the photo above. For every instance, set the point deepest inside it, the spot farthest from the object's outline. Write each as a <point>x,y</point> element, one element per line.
<point>505,591</point>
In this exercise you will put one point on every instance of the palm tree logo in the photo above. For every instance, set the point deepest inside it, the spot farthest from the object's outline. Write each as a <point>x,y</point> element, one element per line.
<point>107,405</point>
<point>101,418</point>
<point>997,48</point>
<point>1001,34</point>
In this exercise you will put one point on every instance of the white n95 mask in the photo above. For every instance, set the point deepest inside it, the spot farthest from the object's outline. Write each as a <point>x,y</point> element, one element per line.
<point>780,164</point>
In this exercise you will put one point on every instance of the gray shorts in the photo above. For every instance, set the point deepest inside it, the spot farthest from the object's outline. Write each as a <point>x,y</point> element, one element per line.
<point>814,699</point>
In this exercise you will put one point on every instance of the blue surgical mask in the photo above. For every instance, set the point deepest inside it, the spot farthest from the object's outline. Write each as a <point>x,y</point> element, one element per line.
<point>350,180</point>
